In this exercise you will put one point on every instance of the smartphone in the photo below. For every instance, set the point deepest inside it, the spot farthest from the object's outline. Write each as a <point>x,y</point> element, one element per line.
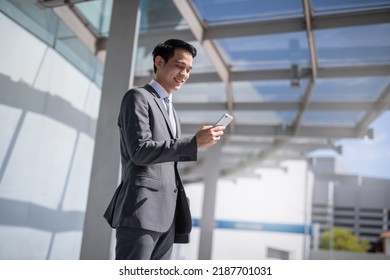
<point>224,120</point>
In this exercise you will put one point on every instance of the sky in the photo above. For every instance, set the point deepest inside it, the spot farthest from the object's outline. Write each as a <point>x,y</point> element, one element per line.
<point>367,157</point>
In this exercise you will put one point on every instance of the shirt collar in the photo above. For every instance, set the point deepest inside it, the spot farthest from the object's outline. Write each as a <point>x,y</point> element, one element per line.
<point>160,90</point>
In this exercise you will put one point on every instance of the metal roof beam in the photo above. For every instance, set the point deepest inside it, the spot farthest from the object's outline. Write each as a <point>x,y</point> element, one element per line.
<point>314,66</point>
<point>58,3</point>
<point>306,147</point>
<point>280,106</point>
<point>328,72</point>
<point>257,28</point>
<point>187,10</point>
<point>80,27</point>
<point>279,131</point>
<point>151,38</point>
<point>355,18</point>
<point>208,77</point>
<point>373,70</point>
<point>254,28</point>
<point>382,104</point>
<point>253,162</point>
<point>267,27</point>
<point>304,104</point>
<point>74,20</point>
<point>231,160</point>
<point>310,39</point>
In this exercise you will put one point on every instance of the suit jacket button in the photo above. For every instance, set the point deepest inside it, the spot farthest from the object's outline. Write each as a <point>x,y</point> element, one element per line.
<point>175,191</point>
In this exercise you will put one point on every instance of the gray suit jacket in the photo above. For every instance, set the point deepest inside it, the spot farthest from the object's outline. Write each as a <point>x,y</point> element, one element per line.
<point>147,195</point>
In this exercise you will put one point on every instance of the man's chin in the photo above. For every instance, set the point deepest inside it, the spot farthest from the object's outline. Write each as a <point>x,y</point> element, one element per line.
<point>176,88</point>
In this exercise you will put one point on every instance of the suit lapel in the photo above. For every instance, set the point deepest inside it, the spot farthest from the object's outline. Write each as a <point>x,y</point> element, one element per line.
<point>178,130</point>
<point>161,106</point>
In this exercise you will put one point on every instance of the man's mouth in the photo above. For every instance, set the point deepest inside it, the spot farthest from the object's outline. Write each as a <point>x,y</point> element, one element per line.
<point>179,81</point>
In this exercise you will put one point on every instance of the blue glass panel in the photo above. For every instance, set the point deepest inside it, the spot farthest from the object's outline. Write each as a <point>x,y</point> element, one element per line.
<point>331,118</point>
<point>45,24</point>
<point>160,14</point>
<point>41,22</point>
<point>76,52</point>
<point>264,117</point>
<point>154,15</point>
<point>349,89</point>
<point>217,11</point>
<point>98,14</point>
<point>278,90</point>
<point>360,45</point>
<point>266,52</point>
<point>201,92</point>
<point>331,6</point>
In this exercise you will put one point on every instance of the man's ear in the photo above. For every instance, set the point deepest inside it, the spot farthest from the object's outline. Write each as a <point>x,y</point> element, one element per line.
<point>159,62</point>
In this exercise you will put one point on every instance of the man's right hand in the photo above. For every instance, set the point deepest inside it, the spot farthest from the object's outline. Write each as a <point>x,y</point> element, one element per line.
<point>209,135</point>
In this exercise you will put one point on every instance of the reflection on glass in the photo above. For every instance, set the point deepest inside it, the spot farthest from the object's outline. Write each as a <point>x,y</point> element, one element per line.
<point>278,90</point>
<point>160,14</point>
<point>45,24</point>
<point>349,89</point>
<point>98,14</point>
<point>332,118</point>
<point>264,117</point>
<point>219,12</point>
<point>360,45</point>
<point>42,22</point>
<point>265,52</point>
<point>332,6</point>
<point>201,92</point>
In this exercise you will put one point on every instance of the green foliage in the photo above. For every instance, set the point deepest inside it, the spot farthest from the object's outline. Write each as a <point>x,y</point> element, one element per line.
<point>343,240</point>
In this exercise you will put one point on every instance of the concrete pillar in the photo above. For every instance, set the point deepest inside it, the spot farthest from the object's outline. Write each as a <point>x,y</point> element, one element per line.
<point>120,57</point>
<point>211,174</point>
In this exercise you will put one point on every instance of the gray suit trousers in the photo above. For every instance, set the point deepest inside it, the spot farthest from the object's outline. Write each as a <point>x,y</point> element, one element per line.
<point>141,244</point>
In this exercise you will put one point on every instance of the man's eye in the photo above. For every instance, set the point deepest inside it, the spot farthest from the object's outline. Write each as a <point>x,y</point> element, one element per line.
<point>182,68</point>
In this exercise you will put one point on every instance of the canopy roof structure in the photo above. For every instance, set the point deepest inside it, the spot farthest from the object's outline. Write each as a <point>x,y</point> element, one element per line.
<point>298,76</point>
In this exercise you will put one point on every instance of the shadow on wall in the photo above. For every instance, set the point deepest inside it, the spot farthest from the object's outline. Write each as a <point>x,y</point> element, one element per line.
<point>25,214</point>
<point>43,183</point>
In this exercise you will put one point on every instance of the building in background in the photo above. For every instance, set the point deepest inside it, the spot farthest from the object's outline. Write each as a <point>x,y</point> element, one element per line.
<point>263,216</point>
<point>359,204</point>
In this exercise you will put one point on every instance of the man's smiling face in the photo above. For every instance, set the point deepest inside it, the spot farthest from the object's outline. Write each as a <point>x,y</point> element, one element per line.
<point>171,75</point>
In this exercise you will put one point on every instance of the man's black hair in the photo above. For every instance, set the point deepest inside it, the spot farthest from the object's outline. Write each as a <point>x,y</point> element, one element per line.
<point>167,49</point>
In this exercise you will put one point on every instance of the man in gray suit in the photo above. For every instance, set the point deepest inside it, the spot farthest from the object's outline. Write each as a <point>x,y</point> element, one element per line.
<point>149,208</point>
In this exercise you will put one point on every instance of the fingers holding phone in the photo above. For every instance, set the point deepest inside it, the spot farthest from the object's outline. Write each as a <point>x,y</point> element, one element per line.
<point>210,135</point>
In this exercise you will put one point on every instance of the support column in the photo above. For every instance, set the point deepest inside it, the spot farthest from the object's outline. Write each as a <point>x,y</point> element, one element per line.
<point>211,174</point>
<point>118,76</point>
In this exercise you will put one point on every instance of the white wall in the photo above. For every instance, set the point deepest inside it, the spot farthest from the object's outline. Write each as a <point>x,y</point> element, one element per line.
<point>277,197</point>
<point>48,112</point>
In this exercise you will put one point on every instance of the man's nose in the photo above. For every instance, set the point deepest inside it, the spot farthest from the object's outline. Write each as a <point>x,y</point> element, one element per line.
<point>183,71</point>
